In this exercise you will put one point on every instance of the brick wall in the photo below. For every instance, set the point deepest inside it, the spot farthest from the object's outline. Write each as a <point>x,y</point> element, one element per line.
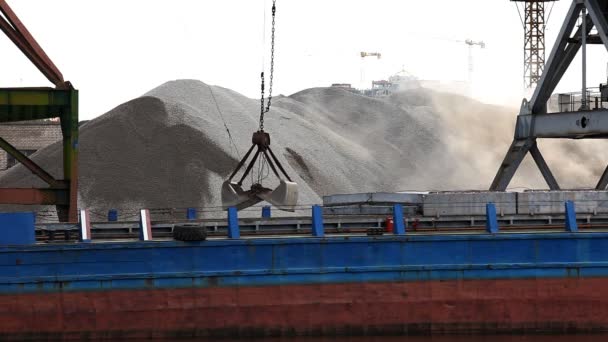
<point>28,136</point>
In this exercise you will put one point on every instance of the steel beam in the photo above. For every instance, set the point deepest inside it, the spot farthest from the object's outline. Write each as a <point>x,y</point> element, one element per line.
<point>602,184</point>
<point>69,128</point>
<point>20,104</point>
<point>34,97</point>
<point>599,19</point>
<point>30,165</point>
<point>514,157</point>
<point>548,81</point>
<point>33,196</point>
<point>25,113</point>
<point>568,125</point>
<point>533,122</point>
<point>18,40</point>
<point>543,167</point>
<point>570,47</point>
<point>559,70</point>
<point>591,39</point>
<point>21,37</point>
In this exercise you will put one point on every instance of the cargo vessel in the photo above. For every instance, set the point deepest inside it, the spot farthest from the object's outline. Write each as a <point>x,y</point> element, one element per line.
<point>326,274</point>
<point>376,263</point>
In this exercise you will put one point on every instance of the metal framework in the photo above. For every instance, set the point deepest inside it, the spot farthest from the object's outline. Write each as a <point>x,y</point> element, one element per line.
<point>534,40</point>
<point>533,122</point>
<point>20,104</point>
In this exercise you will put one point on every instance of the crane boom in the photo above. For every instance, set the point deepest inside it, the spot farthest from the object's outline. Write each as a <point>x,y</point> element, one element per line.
<point>21,104</point>
<point>21,37</point>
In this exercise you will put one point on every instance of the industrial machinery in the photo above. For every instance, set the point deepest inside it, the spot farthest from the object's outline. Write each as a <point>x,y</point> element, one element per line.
<point>285,196</point>
<point>470,43</point>
<point>533,22</point>
<point>534,122</point>
<point>21,104</point>
<point>364,55</point>
<point>371,54</point>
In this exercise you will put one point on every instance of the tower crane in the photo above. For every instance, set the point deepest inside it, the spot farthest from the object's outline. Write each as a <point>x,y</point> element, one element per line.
<point>470,43</point>
<point>371,54</point>
<point>363,56</point>
<point>533,20</point>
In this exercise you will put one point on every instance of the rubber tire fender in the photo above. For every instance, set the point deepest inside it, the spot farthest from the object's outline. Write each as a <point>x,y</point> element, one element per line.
<point>189,233</point>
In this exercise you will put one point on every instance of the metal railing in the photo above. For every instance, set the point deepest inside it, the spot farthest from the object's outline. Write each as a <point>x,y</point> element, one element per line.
<point>575,101</point>
<point>337,225</point>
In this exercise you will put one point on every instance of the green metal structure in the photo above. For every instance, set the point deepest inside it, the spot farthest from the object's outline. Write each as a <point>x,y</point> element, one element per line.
<point>22,104</point>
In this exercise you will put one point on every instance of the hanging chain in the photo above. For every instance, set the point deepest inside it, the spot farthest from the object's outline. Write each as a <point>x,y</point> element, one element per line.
<point>267,109</point>
<point>274,12</point>
<point>262,104</point>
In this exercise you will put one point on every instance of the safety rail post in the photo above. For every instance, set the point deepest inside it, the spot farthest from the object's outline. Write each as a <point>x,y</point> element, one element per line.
<point>571,225</point>
<point>112,215</point>
<point>491,219</point>
<point>145,225</point>
<point>191,214</point>
<point>266,211</point>
<point>317,221</point>
<point>398,221</point>
<point>85,226</point>
<point>233,223</point>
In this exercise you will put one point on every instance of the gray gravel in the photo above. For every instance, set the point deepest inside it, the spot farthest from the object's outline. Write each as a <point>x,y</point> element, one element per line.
<point>171,148</point>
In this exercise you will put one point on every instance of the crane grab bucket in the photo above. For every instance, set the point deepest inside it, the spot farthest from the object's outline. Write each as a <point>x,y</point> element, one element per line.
<point>233,195</point>
<point>284,196</point>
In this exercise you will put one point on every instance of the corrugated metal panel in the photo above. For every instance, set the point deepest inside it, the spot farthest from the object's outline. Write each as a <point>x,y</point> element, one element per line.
<point>374,198</point>
<point>468,203</point>
<point>552,202</point>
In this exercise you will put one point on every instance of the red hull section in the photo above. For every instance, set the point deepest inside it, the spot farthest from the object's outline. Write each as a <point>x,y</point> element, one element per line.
<point>353,308</point>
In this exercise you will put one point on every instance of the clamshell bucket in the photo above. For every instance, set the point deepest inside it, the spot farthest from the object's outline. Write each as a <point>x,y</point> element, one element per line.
<point>284,197</point>
<point>233,195</point>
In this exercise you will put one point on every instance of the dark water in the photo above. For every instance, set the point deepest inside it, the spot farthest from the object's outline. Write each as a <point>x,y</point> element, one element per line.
<point>456,338</point>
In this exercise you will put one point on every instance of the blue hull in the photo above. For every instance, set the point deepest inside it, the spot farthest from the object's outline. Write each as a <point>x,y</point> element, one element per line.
<point>253,262</point>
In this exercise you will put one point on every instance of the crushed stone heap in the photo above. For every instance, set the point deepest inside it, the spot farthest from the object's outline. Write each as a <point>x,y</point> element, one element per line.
<point>171,149</point>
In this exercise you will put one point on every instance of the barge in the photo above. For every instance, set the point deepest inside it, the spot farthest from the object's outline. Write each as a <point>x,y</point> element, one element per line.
<point>413,263</point>
<point>317,275</point>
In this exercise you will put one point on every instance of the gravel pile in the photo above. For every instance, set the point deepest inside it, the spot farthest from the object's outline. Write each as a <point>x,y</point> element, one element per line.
<point>171,148</point>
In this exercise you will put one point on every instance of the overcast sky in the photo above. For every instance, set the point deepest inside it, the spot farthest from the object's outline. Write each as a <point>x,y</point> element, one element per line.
<point>115,50</point>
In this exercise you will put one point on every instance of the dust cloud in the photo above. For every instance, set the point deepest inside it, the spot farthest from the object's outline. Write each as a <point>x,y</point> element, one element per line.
<point>174,146</point>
